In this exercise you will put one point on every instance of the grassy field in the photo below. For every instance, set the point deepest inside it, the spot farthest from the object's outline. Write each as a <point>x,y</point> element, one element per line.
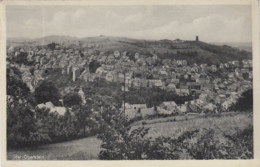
<point>82,149</point>
<point>89,148</point>
<point>167,127</point>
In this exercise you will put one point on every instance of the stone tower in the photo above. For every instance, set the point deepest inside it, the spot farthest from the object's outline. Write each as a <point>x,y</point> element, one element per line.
<point>197,38</point>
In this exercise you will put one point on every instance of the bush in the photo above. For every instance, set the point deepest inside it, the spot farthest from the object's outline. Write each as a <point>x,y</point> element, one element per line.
<point>198,144</point>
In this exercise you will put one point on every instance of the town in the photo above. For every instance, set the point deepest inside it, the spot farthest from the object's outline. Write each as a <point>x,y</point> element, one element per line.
<point>211,87</point>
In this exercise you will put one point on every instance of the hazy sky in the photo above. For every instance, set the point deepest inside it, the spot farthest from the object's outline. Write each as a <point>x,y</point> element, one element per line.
<point>210,23</point>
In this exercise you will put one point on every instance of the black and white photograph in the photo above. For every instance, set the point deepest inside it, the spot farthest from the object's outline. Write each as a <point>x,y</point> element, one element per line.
<point>129,82</point>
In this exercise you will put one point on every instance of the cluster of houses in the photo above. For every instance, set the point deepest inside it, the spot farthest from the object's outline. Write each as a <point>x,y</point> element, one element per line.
<point>210,85</point>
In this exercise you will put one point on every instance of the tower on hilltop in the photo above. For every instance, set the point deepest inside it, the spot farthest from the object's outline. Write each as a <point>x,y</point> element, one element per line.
<point>197,38</point>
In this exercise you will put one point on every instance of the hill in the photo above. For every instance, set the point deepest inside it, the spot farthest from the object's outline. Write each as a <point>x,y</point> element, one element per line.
<point>194,51</point>
<point>247,46</point>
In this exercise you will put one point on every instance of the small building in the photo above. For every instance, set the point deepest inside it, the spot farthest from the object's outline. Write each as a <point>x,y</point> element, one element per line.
<point>75,74</point>
<point>170,105</point>
<point>52,109</point>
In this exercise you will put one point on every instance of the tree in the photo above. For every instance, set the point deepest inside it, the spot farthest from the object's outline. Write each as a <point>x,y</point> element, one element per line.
<point>245,102</point>
<point>83,115</point>
<point>22,58</point>
<point>93,66</point>
<point>72,99</point>
<point>47,91</point>
<point>32,70</point>
<point>16,88</point>
<point>23,128</point>
<point>51,45</point>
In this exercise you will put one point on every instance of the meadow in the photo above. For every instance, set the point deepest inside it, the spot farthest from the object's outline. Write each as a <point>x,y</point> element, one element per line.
<point>231,124</point>
<point>174,126</point>
<point>81,149</point>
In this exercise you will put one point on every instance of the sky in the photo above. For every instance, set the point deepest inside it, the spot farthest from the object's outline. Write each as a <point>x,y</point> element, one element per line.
<point>216,23</point>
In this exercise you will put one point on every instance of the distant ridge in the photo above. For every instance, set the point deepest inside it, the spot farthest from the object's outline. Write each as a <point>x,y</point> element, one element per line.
<point>247,46</point>
<point>194,51</point>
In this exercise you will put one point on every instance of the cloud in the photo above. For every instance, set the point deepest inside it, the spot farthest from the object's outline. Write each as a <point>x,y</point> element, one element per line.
<point>210,28</point>
<point>147,22</point>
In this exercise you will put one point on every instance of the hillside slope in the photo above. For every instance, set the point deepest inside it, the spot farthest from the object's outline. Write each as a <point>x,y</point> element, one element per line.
<point>194,51</point>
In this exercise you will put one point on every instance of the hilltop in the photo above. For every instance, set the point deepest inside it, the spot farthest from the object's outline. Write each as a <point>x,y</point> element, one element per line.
<point>194,51</point>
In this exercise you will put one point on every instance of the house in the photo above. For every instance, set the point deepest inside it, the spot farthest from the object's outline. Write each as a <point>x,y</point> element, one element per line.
<point>43,61</point>
<point>137,55</point>
<point>231,76</point>
<point>163,73</point>
<point>125,88</point>
<point>184,90</point>
<point>192,108</point>
<point>182,109</point>
<point>170,106</point>
<point>69,69</point>
<point>225,105</point>
<point>110,76</point>
<point>195,69</point>
<point>141,62</point>
<point>103,59</point>
<point>203,97</point>
<point>117,54</point>
<point>220,99</point>
<point>193,85</point>
<point>82,95</point>
<point>175,81</point>
<point>138,106</point>
<point>37,59</point>
<point>88,77</point>
<point>250,63</point>
<point>235,63</point>
<point>213,68</point>
<point>207,87</point>
<point>30,58</point>
<point>52,109</point>
<point>237,72</point>
<point>221,66</point>
<point>126,105</point>
<point>171,87</point>
<point>136,82</point>
<point>110,59</point>
<point>245,63</point>
<point>75,74</point>
<point>121,77</point>
<point>100,70</point>
<point>209,107</point>
<point>129,75</point>
<point>55,65</point>
<point>179,63</point>
<point>155,82</point>
<point>184,62</point>
<point>203,67</point>
<point>226,65</point>
<point>143,83</point>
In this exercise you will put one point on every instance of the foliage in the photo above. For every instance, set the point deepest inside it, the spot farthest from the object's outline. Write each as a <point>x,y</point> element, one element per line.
<point>47,91</point>
<point>51,46</point>
<point>21,58</point>
<point>16,88</point>
<point>153,97</point>
<point>22,127</point>
<point>196,144</point>
<point>245,102</point>
<point>72,99</point>
<point>93,66</point>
